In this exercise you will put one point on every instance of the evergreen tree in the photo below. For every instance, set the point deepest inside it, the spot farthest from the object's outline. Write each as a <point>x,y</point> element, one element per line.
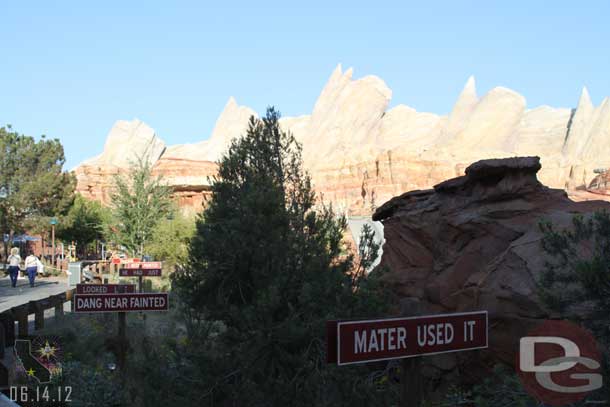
<point>271,268</point>
<point>140,200</point>
<point>33,184</point>
<point>576,282</point>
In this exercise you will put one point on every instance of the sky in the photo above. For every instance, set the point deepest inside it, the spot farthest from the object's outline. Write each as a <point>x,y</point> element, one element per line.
<point>69,70</point>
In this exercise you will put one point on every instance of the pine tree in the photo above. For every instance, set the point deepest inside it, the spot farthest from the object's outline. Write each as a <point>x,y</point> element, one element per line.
<point>270,266</point>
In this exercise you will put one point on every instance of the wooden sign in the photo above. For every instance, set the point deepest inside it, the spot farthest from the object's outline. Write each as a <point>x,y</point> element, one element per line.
<point>351,342</point>
<point>121,302</point>
<point>105,288</point>
<point>144,269</point>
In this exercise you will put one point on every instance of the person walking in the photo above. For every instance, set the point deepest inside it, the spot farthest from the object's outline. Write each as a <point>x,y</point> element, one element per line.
<point>13,265</point>
<point>31,267</point>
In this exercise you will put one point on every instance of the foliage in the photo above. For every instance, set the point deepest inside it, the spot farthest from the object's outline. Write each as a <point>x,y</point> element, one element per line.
<point>170,239</point>
<point>140,201</point>
<point>268,265</point>
<point>502,388</point>
<point>577,282</point>
<point>31,174</point>
<point>85,222</point>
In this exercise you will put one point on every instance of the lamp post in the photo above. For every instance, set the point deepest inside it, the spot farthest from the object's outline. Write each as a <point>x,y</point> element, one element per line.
<point>4,193</point>
<point>53,222</point>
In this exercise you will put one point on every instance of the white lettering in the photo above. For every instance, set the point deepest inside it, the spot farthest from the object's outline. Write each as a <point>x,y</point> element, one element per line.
<point>391,339</point>
<point>373,342</point>
<point>448,333</point>
<point>439,334</point>
<point>431,338</point>
<point>421,336</point>
<point>382,333</point>
<point>402,337</point>
<point>360,342</point>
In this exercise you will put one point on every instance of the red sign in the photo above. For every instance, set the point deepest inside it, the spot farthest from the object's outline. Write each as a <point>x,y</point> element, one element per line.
<point>105,288</point>
<point>121,302</point>
<point>150,265</point>
<point>350,342</point>
<point>144,269</point>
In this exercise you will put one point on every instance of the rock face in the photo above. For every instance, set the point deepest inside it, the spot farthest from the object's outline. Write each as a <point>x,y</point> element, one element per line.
<point>473,243</point>
<point>360,152</point>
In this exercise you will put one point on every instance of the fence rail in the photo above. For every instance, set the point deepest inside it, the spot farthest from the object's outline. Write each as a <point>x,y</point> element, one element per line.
<point>21,313</point>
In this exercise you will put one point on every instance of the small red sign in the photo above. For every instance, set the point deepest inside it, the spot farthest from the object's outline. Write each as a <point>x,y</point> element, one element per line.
<point>144,269</point>
<point>350,342</point>
<point>149,265</point>
<point>121,302</point>
<point>105,288</point>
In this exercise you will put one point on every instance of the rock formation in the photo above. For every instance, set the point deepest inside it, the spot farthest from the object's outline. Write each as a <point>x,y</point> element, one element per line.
<point>473,243</point>
<point>361,153</point>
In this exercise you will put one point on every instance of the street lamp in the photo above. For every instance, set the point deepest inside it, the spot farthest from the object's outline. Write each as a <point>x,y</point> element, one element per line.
<point>53,222</point>
<point>4,193</point>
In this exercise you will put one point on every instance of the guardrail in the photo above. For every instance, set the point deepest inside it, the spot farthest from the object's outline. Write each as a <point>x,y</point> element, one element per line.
<point>21,313</point>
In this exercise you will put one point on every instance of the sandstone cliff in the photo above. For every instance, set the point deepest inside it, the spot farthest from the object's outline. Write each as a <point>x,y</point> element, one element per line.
<point>361,153</point>
<point>474,243</point>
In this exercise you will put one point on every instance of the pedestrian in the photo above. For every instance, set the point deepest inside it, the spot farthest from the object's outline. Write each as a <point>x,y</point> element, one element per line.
<point>31,267</point>
<point>13,265</point>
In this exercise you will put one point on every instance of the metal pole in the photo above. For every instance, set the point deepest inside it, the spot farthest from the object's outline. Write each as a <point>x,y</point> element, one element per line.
<point>53,263</point>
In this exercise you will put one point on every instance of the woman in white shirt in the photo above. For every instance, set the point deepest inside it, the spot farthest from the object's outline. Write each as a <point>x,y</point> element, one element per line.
<point>31,267</point>
<point>13,265</point>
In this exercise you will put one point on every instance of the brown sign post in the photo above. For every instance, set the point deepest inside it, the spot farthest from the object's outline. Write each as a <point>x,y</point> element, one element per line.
<point>373,340</point>
<point>122,298</point>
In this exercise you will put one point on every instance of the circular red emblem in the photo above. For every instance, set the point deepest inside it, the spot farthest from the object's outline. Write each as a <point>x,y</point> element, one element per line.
<point>559,363</point>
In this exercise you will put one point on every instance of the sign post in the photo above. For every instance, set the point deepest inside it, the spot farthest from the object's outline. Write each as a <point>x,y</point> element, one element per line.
<point>122,298</point>
<point>372,340</point>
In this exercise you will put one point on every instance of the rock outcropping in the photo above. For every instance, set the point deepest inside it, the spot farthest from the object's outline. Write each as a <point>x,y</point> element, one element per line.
<point>361,153</point>
<point>474,243</point>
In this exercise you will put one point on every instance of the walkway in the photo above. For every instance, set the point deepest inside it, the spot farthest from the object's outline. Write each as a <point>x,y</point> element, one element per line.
<point>11,297</point>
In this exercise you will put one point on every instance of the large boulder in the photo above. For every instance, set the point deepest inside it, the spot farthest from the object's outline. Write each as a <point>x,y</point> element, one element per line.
<point>474,243</point>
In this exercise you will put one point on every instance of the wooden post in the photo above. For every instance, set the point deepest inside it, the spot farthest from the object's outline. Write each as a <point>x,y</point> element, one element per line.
<point>140,284</point>
<point>59,308</point>
<point>411,391</point>
<point>2,341</point>
<point>39,317</point>
<point>411,380</point>
<point>7,320</point>
<point>22,321</point>
<point>122,341</point>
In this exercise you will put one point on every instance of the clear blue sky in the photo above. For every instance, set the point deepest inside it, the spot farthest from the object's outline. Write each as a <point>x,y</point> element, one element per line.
<point>70,69</point>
